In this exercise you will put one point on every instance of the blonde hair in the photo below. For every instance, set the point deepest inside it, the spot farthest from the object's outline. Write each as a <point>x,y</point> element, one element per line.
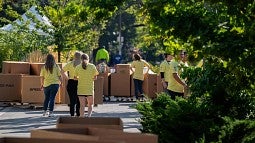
<point>77,58</point>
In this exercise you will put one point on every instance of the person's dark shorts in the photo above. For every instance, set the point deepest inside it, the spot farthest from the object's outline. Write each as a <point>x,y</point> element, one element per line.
<point>174,94</point>
<point>85,95</point>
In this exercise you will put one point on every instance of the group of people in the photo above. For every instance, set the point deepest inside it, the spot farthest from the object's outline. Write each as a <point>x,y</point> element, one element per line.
<point>80,74</point>
<point>80,87</point>
<point>170,71</point>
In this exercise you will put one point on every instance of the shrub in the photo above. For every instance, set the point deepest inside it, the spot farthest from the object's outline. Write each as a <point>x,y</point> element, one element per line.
<point>178,121</point>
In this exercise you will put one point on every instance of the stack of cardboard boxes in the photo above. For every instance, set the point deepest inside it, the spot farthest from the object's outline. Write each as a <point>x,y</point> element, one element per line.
<point>98,129</point>
<point>120,81</point>
<point>86,129</point>
<point>122,84</point>
<point>21,82</point>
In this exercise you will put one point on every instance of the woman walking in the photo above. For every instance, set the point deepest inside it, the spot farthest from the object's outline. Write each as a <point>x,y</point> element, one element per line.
<point>86,73</point>
<point>51,79</point>
<point>72,84</point>
<point>138,64</point>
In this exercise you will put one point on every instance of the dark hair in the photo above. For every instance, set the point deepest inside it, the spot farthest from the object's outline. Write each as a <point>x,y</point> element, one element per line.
<point>50,62</point>
<point>85,60</point>
<point>137,57</point>
<point>166,54</point>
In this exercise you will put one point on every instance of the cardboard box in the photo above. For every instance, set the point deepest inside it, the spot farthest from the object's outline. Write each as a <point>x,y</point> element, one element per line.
<point>120,84</point>
<point>150,85</point>
<point>97,122</point>
<point>73,134</point>
<point>47,140</point>
<point>64,97</point>
<point>132,86</point>
<point>98,95</point>
<point>106,86</point>
<point>31,90</point>
<point>35,68</point>
<point>123,68</point>
<point>101,134</point>
<point>15,67</point>
<point>159,85</point>
<point>10,87</point>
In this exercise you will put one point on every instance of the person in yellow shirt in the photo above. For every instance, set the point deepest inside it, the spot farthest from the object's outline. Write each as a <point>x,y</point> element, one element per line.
<point>86,73</point>
<point>176,85</point>
<point>164,70</point>
<point>51,79</point>
<point>138,76</point>
<point>72,84</point>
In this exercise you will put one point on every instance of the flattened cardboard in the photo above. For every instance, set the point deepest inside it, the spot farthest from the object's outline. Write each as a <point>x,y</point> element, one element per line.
<point>101,134</point>
<point>85,122</point>
<point>47,140</point>
<point>62,134</point>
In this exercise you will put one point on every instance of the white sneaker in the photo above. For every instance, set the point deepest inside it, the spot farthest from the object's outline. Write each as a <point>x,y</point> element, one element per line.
<point>45,114</point>
<point>51,114</point>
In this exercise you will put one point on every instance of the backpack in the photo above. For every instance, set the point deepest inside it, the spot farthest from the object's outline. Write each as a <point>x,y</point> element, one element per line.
<point>102,68</point>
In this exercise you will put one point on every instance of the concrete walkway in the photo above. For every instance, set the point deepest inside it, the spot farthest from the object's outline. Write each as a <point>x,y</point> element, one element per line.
<point>18,120</point>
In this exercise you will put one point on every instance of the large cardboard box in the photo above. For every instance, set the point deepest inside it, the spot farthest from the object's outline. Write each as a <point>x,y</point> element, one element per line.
<point>35,68</point>
<point>97,122</point>
<point>10,87</point>
<point>150,85</point>
<point>123,68</point>
<point>120,84</point>
<point>98,94</point>
<point>159,84</point>
<point>106,86</point>
<point>15,67</point>
<point>132,86</point>
<point>64,97</point>
<point>31,89</point>
<point>101,134</point>
<point>47,140</point>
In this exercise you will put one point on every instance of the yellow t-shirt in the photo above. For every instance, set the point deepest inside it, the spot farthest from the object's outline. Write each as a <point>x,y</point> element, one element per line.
<point>165,67</point>
<point>50,78</point>
<point>70,68</point>
<point>173,85</point>
<point>85,79</point>
<point>139,65</point>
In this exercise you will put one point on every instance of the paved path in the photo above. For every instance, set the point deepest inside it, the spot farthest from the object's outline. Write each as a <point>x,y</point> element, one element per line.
<point>19,120</point>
